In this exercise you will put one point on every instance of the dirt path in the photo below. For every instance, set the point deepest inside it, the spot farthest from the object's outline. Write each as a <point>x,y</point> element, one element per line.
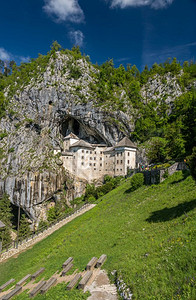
<point>101,288</point>
<point>41,236</point>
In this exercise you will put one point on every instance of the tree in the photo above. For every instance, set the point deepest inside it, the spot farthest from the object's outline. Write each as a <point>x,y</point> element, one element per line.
<point>5,210</point>
<point>191,161</point>
<point>156,150</point>
<point>175,141</point>
<point>2,105</point>
<point>24,229</point>
<point>1,66</point>
<point>6,217</point>
<point>55,46</point>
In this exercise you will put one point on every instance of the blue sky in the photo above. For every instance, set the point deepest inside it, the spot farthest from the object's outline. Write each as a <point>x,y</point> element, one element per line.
<point>129,31</point>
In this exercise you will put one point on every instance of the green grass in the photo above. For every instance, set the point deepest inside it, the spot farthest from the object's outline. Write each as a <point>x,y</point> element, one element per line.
<point>148,236</point>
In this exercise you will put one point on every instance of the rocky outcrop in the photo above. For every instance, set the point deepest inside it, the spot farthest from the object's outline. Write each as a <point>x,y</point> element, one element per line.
<point>56,102</point>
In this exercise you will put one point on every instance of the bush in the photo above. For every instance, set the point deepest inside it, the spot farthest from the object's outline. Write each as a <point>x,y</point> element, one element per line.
<point>91,199</point>
<point>42,225</point>
<point>191,161</point>
<point>136,181</point>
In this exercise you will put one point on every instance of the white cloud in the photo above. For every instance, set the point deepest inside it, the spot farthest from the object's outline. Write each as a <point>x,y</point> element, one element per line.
<point>64,10</point>
<point>77,37</point>
<point>4,55</point>
<point>153,3</point>
<point>24,59</point>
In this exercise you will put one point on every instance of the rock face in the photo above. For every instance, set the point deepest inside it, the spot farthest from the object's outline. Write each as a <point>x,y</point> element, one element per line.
<point>40,114</point>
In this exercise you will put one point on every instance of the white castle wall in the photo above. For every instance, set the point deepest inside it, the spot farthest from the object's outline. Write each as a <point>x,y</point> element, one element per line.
<point>94,162</point>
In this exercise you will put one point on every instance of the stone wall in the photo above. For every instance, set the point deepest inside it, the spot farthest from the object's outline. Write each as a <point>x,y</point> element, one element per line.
<point>158,175</point>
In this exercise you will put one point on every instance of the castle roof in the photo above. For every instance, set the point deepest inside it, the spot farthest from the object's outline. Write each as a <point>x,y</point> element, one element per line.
<point>99,145</point>
<point>109,149</point>
<point>81,144</point>
<point>125,142</point>
<point>66,153</point>
<point>2,225</point>
<point>56,148</point>
<point>71,136</point>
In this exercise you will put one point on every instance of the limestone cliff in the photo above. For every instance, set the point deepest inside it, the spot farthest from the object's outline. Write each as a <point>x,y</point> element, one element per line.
<point>56,101</point>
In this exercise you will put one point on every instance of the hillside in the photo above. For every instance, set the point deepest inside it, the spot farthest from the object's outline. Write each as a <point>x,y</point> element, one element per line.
<point>54,94</point>
<point>148,236</point>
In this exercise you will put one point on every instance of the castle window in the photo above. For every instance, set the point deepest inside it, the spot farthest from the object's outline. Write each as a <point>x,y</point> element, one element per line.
<point>94,164</point>
<point>95,152</point>
<point>128,161</point>
<point>121,169</point>
<point>117,154</point>
<point>100,165</point>
<point>90,164</point>
<point>101,152</point>
<point>87,151</point>
<point>90,152</point>
<point>121,153</point>
<point>121,161</point>
<point>67,157</point>
<point>100,158</point>
<point>82,151</point>
<point>82,157</point>
<point>91,158</point>
<point>116,169</point>
<point>82,163</point>
<point>94,158</point>
<point>94,168</point>
<point>106,169</point>
<point>117,161</point>
<point>128,153</point>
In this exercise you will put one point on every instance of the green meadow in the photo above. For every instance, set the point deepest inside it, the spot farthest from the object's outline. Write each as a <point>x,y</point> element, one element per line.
<point>148,236</point>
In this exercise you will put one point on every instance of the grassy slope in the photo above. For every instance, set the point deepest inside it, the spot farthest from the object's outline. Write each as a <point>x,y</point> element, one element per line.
<point>148,236</point>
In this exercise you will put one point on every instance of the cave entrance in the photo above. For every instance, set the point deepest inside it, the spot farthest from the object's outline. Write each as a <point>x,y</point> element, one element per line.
<point>70,125</point>
<point>84,132</point>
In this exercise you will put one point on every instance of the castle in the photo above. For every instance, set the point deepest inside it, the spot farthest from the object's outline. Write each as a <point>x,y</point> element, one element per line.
<point>93,161</point>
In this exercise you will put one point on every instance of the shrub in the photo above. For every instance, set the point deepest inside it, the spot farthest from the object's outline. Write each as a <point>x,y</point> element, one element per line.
<point>191,161</point>
<point>42,225</point>
<point>91,199</point>
<point>51,215</point>
<point>136,181</point>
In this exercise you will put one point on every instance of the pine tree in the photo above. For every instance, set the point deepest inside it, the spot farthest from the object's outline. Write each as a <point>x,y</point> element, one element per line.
<point>6,217</point>
<point>5,210</point>
<point>24,229</point>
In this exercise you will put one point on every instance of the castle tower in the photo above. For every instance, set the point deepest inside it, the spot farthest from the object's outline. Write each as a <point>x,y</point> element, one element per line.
<point>69,140</point>
<point>125,157</point>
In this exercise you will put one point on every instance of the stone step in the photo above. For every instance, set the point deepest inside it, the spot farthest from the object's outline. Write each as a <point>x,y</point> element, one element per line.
<point>12,293</point>
<point>3,286</point>
<point>68,261</point>
<point>48,285</point>
<point>36,290</point>
<point>91,263</point>
<point>23,280</point>
<point>101,260</point>
<point>73,281</point>
<point>36,274</point>
<point>85,279</point>
<point>66,269</point>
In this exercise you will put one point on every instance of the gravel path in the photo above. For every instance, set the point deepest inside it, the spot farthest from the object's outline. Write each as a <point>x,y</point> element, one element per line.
<point>101,288</point>
<point>12,252</point>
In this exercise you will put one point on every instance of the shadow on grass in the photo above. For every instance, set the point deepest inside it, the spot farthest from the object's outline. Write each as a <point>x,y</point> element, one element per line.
<point>167,214</point>
<point>129,190</point>
<point>185,174</point>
